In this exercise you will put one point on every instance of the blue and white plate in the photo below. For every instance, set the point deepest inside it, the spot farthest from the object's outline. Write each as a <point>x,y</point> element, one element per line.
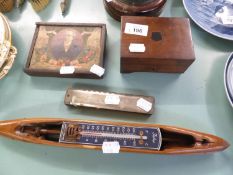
<point>214,16</point>
<point>228,78</point>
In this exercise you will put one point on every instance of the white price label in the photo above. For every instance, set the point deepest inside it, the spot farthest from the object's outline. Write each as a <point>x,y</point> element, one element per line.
<point>112,100</point>
<point>95,69</point>
<point>67,70</point>
<point>137,48</point>
<point>111,147</point>
<point>144,104</point>
<point>136,29</point>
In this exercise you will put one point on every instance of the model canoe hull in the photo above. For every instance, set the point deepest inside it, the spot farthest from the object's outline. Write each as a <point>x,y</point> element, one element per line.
<point>175,140</point>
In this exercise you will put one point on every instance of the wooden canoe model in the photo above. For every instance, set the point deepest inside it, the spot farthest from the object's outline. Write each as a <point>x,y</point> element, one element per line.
<point>132,137</point>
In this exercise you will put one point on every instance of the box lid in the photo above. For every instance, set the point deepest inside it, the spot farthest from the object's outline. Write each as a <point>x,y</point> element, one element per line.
<point>166,38</point>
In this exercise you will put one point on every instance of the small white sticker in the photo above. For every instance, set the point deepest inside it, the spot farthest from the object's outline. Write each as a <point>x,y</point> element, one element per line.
<point>108,0</point>
<point>95,69</point>
<point>144,104</point>
<point>111,147</point>
<point>138,48</point>
<point>112,99</point>
<point>67,70</point>
<point>136,29</point>
<point>227,20</point>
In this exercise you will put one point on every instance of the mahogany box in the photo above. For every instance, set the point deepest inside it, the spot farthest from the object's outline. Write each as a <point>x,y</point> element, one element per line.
<point>155,44</point>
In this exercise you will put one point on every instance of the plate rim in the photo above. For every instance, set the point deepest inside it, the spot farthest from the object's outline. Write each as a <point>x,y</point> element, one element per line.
<point>225,77</point>
<point>219,36</point>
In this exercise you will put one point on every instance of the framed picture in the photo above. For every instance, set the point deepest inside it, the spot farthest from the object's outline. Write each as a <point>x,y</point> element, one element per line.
<point>67,50</point>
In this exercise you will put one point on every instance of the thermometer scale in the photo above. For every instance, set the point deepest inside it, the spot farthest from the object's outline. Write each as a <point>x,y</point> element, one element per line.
<point>96,134</point>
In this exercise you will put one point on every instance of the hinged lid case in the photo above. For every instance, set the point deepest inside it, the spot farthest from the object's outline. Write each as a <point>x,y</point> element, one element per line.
<point>67,50</point>
<point>168,44</point>
<point>110,100</point>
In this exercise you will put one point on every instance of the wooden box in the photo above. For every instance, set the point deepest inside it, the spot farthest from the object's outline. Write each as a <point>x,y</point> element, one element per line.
<point>67,50</point>
<point>151,44</point>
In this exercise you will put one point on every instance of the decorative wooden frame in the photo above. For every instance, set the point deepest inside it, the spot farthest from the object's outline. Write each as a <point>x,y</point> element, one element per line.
<point>76,46</point>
